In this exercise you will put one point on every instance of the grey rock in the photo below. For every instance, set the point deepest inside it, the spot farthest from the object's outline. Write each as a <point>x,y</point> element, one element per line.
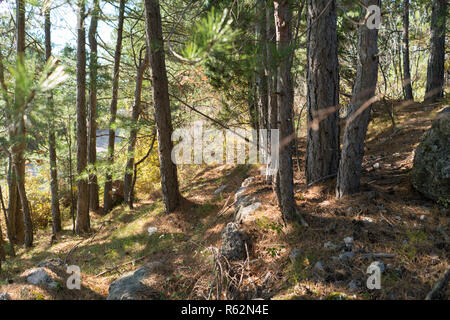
<point>294,255</point>
<point>247,182</point>
<point>38,276</point>
<point>243,202</point>
<point>132,286</point>
<point>239,193</point>
<point>233,242</point>
<point>220,189</point>
<point>431,171</point>
<point>4,296</point>
<point>348,240</point>
<point>379,265</point>
<point>353,285</point>
<point>245,212</point>
<point>330,245</point>
<point>318,266</point>
<point>346,256</point>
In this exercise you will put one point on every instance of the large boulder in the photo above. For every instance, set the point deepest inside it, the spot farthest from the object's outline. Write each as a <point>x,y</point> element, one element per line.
<point>233,242</point>
<point>431,171</point>
<point>136,285</point>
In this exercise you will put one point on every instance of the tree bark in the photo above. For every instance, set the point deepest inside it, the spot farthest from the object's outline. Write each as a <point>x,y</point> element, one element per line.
<point>107,193</point>
<point>407,85</point>
<point>283,17</point>
<point>56,214</point>
<point>8,228</point>
<point>92,112</point>
<point>435,71</point>
<point>83,220</point>
<point>128,178</point>
<point>272,90</point>
<point>261,69</point>
<point>348,179</point>
<point>18,137</point>
<point>322,150</point>
<point>155,47</point>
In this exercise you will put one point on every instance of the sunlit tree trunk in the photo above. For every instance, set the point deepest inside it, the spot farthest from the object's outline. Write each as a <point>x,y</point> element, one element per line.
<point>435,71</point>
<point>18,138</point>
<point>283,16</point>
<point>92,112</point>
<point>83,220</point>
<point>128,178</point>
<point>107,192</point>
<point>348,180</point>
<point>56,215</point>
<point>272,89</point>
<point>322,150</point>
<point>407,86</point>
<point>155,46</point>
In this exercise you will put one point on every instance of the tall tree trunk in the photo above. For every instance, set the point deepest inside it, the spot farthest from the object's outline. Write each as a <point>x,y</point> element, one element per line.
<point>348,180</point>
<point>92,112</point>
<point>18,162</point>
<point>261,69</point>
<point>56,215</point>
<point>107,193</point>
<point>155,47</point>
<point>17,227</point>
<point>83,221</point>
<point>322,150</point>
<point>128,178</point>
<point>407,85</point>
<point>283,17</point>
<point>435,71</point>
<point>18,132</point>
<point>272,90</point>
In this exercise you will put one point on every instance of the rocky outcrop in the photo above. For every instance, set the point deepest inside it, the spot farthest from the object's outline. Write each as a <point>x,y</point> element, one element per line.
<point>38,276</point>
<point>431,171</point>
<point>233,242</point>
<point>136,285</point>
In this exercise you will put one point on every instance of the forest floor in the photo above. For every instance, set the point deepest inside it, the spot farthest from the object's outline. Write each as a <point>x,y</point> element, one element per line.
<point>387,217</point>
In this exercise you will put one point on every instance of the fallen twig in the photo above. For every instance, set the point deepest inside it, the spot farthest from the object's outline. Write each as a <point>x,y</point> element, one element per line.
<point>438,286</point>
<point>120,265</point>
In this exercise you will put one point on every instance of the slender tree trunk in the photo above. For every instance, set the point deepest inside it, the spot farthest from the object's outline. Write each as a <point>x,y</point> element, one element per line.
<point>107,193</point>
<point>18,132</point>
<point>14,207</point>
<point>435,71</point>
<point>83,220</point>
<point>155,47</point>
<point>322,150</point>
<point>56,215</point>
<point>348,180</point>
<point>92,112</point>
<point>24,202</point>
<point>128,178</point>
<point>8,228</point>
<point>261,69</point>
<point>272,90</point>
<point>407,85</point>
<point>283,23</point>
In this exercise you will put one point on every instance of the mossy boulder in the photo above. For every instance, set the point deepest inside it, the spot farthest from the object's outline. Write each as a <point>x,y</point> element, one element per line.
<point>431,171</point>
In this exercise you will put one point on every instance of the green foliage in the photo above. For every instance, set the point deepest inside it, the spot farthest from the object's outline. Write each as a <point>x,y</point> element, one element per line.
<point>211,34</point>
